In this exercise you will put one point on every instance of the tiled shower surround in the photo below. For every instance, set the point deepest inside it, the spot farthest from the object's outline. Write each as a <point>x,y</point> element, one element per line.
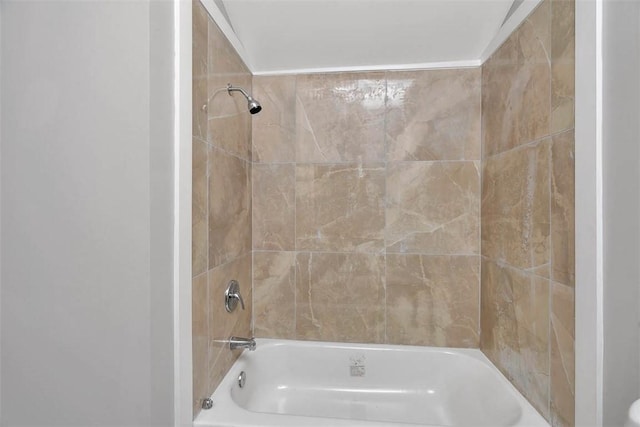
<point>366,207</point>
<point>527,315</point>
<point>430,207</point>
<point>221,207</point>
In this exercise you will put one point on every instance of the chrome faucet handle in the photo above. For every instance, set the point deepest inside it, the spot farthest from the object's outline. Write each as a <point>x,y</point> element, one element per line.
<point>239,298</point>
<point>232,296</point>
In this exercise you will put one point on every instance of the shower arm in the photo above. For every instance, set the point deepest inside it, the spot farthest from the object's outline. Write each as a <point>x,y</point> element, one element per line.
<point>206,104</point>
<point>237,89</point>
<point>230,88</point>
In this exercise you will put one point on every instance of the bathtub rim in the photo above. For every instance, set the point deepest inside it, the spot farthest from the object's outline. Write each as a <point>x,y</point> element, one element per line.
<point>222,395</point>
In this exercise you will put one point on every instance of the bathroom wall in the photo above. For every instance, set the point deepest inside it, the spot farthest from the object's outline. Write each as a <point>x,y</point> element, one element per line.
<point>527,313</point>
<point>221,240</point>
<point>621,210</point>
<point>87,213</point>
<point>366,207</point>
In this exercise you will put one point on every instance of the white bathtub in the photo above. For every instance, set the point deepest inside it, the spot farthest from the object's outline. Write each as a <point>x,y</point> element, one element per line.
<point>300,383</point>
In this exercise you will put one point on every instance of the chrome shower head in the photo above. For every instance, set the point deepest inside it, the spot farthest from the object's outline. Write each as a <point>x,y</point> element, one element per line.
<point>253,105</point>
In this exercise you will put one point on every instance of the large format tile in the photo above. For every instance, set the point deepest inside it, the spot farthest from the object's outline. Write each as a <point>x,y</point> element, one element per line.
<point>274,307</point>
<point>200,307</point>
<point>433,300</point>
<point>274,128</point>
<point>222,361</point>
<point>222,324</point>
<point>200,335</point>
<point>516,85</point>
<point>433,207</point>
<point>514,320</point>
<point>515,207</point>
<point>273,206</point>
<point>433,115</point>
<point>340,297</point>
<point>340,207</point>
<point>199,66</point>
<point>340,117</point>
<point>229,208</point>
<point>563,208</point>
<point>562,355</point>
<point>199,208</point>
<point>229,120</point>
<point>562,65</point>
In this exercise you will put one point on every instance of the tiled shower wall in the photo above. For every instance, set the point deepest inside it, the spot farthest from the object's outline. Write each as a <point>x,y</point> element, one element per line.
<point>527,315</point>
<point>221,241</point>
<point>366,216</point>
<point>366,207</point>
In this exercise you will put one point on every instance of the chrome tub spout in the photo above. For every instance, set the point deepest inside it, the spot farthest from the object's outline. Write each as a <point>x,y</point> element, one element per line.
<point>239,342</point>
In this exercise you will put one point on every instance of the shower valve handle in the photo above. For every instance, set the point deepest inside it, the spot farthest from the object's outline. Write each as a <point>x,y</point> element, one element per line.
<point>239,298</point>
<point>232,296</point>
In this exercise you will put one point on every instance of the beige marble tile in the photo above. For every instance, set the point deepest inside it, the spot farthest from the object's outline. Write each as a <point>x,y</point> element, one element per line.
<point>340,117</point>
<point>562,65</point>
<point>229,207</point>
<point>200,334</point>
<point>340,207</point>
<point>223,360</point>
<point>537,26</point>
<point>199,208</point>
<point>274,206</point>
<point>562,355</point>
<point>274,284</point>
<point>200,306</point>
<point>229,121</point>
<point>433,115</point>
<point>516,85</point>
<point>274,129</point>
<point>222,324</point>
<point>433,207</point>
<point>199,69</point>
<point>340,297</point>
<point>433,300</point>
<point>514,320</point>
<point>563,208</point>
<point>515,207</point>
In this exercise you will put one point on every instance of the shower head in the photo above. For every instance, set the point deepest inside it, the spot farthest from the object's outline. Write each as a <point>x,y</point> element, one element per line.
<point>253,105</point>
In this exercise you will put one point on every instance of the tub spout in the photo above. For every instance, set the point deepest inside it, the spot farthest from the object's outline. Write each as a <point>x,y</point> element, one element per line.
<point>239,342</point>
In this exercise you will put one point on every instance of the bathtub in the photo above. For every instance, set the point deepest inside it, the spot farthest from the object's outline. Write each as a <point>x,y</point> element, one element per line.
<point>301,383</point>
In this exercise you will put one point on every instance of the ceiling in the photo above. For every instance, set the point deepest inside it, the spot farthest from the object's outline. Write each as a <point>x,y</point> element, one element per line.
<point>306,35</point>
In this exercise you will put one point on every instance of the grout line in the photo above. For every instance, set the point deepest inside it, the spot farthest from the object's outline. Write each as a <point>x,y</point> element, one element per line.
<point>379,253</point>
<point>229,153</point>
<point>295,207</point>
<point>209,304</point>
<point>505,264</point>
<point>550,247</point>
<point>481,180</point>
<point>385,200</point>
<point>367,162</point>
<point>480,198</point>
<point>529,144</point>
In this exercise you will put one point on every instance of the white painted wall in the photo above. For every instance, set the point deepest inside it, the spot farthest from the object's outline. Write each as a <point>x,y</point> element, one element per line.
<point>182,301</point>
<point>86,191</point>
<point>589,247</point>
<point>621,143</point>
